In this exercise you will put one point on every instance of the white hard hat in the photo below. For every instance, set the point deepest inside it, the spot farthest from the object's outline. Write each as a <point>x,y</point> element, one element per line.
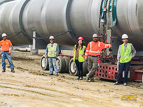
<point>125,36</point>
<point>95,36</point>
<point>51,37</point>
<point>3,35</point>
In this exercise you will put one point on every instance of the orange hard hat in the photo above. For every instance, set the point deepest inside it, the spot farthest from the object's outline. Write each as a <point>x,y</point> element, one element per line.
<point>80,38</point>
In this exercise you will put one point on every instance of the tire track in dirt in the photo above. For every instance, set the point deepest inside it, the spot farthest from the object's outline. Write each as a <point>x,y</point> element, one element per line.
<point>32,87</point>
<point>45,92</point>
<point>90,97</point>
<point>72,95</point>
<point>50,95</point>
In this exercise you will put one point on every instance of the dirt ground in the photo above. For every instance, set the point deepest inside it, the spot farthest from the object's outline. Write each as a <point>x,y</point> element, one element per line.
<point>30,86</point>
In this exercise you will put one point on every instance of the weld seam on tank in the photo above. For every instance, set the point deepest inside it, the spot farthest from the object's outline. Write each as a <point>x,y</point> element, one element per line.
<point>10,22</point>
<point>38,35</point>
<point>1,17</point>
<point>5,2</point>
<point>97,14</point>
<point>21,21</point>
<point>72,33</point>
<point>10,17</point>
<point>132,20</point>
<point>43,17</point>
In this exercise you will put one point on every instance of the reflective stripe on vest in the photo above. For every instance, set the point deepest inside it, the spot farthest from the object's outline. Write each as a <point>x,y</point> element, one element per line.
<point>81,52</point>
<point>126,56</point>
<point>95,51</point>
<point>52,51</point>
<point>91,48</point>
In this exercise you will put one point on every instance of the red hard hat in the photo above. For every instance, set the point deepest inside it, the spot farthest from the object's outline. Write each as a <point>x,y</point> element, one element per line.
<point>80,38</point>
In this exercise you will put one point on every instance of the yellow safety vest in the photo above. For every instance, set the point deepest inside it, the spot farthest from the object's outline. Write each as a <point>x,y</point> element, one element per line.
<point>126,56</point>
<point>81,52</point>
<point>52,51</point>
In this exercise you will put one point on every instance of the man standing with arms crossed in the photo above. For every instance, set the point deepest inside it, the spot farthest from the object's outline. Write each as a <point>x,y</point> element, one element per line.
<point>52,52</point>
<point>5,52</point>
<point>92,52</point>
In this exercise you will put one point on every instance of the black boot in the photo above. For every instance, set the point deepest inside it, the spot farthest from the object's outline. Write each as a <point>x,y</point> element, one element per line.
<point>3,71</point>
<point>51,74</point>
<point>81,75</point>
<point>116,83</point>
<point>12,71</point>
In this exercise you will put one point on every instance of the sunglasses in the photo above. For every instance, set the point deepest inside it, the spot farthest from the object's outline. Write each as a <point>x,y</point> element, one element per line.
<point>51,39</point>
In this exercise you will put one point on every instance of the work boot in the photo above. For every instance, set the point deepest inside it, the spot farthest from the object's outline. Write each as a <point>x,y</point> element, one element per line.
<point>91,79</point>
<point>125,84</point>
<point>87,78</point>
<point>78,78</point>
<point>51,74</point>
<point>3,71</point>
<point>116,83</point>
<point>57,74</point>
<point>12,71</point>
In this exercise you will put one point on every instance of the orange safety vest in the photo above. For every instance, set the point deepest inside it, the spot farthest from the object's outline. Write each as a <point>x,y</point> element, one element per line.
<point>94,49</point>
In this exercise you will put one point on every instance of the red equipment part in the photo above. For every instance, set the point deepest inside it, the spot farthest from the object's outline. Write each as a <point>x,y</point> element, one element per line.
<point>109,72</point>
<point>106,71</point>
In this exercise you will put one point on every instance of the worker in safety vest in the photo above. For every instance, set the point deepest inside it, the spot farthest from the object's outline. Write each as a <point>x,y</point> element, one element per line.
<point>52,52</point>
<point>92,52</point>
<point>5,53</point>
<point>125,54</point>
<point>79,51</point>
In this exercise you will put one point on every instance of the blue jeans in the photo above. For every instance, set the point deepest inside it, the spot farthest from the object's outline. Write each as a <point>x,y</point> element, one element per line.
<point>52,63</point>
<point>8,57</point>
